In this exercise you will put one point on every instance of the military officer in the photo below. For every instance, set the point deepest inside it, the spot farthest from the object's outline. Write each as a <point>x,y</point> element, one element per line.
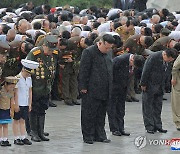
<point>4,48</point>
<point>70,61</point>
<point>42,80</point>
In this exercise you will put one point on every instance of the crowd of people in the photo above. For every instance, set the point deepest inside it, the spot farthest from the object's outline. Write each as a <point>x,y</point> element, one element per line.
<point>103,56</point>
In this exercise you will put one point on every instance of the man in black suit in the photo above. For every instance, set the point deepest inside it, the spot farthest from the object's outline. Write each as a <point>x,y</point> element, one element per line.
<point>123,4</point>
<point>42,9</point>
<point>95,82</point>
<point>152,84</point>
<point>123,67</point>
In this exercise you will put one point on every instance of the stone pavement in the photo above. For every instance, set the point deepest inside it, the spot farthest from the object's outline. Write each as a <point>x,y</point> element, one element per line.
<point>63,124</point>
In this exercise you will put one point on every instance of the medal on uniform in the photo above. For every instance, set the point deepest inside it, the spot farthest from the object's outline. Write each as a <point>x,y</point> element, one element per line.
<point>37,69</point>
<point>50,68</point>
<point>42,73</point>
<point>42,69</point>
<point>42,77</point>
<point>38,59</point>
<point>37,73</point>
<point>37,77</point>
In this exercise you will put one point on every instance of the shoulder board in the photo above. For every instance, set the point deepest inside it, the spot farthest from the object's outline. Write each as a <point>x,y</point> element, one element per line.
<point>36,52</point>
<point>55,52</point>
<point>18,76</point>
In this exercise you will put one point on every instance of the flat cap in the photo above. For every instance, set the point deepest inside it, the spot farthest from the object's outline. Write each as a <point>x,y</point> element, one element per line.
<point>51,41</point>
<point>29,65</point>
<point>11,79</point>
<point>4,47</point>
<point>165,31</point>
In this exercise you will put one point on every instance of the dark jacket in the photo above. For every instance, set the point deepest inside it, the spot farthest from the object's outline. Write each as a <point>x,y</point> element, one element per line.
<point>140,5</point>
<point>38,10</point>
<point>96,73</point>
<point>120,72</point>
<point>154,73</point>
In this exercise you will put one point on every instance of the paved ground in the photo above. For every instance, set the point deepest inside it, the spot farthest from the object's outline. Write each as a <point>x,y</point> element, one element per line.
<point>63,124</point>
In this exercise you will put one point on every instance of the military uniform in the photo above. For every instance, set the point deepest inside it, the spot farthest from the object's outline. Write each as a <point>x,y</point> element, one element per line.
<point>13,64</point>
<point>160,44</point>
<point>70,71</point>
<point>4,48</point>
<point>42,80</point>
<point>123,33</point>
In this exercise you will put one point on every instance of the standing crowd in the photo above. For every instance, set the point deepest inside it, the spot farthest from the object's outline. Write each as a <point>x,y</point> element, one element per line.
<point>103,56</point>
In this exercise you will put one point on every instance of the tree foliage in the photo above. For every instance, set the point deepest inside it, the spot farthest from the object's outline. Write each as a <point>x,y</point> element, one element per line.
<point>79,3</point>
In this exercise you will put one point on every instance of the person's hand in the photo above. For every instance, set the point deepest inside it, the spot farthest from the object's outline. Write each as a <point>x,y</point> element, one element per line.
<point>84,91</point>
<point>30,108</point>
<point>173,82</point>
<point>143,88</point>
<point>62,66</point>
<point>69,60</point>
<point>16,108</point>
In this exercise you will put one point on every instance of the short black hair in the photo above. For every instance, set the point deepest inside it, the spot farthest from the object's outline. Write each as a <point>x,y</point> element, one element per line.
<point>158,28</point>
<point>108,38</point>
<point>37,25</point>
<point>139,61</point>
<point>66,34</point>
<point>171,52</point>
<point>177,46</point>
<point>148,40</point>
<point>63,41</point>
<point>165,12</point>
<point>147,31</point>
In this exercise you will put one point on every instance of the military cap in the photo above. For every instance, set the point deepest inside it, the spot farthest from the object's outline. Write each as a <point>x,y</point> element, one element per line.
<point>15,44</point>
<point>4,47</point>
<point>51,41</point>
<point>11,79</point>
<point>165,31</point>
<point>29,65</point>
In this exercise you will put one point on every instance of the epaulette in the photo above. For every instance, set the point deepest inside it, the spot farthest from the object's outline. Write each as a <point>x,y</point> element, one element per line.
<point>119,28</point>
<point>36,52</point>
<point>55,52</point>
<point>18,76</point>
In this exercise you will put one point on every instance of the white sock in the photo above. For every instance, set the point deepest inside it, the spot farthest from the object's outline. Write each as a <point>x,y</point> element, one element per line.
<point>1,139</point>
<point>16,137</point>
<point>23,137</point>
<point>5,139</point>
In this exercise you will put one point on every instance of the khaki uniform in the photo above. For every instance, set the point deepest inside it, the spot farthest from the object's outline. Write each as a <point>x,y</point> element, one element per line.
<point>123,33</point>
<point>175,95</point>
<point>70,71</point>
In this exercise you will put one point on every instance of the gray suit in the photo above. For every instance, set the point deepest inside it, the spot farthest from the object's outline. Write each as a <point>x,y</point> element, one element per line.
<point>153,77</point>
<point>96,77</point>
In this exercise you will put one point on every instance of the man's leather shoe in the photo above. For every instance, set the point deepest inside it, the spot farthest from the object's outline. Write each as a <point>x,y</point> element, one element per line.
<point>103,140</point>
<point>134,99</point>
<point>76,103</point>
<point>46,134</point>
<point>128,100</point>
<point>116,133</point>
<point>124,133</point>
<point>150,131</point>
<point>88,141</point>
<point>178,129</point>
<point>18,142</point>
<point>68,103</point>
<point>51,104</point>
<point>165,99</point>
<point>162,130</point>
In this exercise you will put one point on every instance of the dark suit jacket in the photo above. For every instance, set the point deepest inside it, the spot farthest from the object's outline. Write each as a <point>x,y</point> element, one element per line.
<point>95,73</point>
<point>139,5</point>
<point>120,72</point>
<point>38,10</point>
<point>154,74</point>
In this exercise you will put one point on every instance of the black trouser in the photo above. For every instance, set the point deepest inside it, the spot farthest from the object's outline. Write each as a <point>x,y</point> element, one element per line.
<point>93,113</point>
<point>39,105</point>
<point>116,109</point>
<point>152,107</point>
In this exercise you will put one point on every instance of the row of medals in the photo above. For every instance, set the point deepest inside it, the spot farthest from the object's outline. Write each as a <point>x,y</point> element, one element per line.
<point>40,70</point>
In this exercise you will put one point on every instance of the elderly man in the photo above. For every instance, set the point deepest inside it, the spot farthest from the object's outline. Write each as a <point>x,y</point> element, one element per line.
<point>95,82</point>
<point>175,95</point>
<point>42,80</point>
<point>10,36</point>
<point>152,84</point>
